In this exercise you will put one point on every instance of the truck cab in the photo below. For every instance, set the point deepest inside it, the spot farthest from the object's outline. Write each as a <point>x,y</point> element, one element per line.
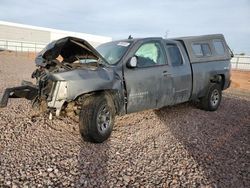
<point>161,77</point>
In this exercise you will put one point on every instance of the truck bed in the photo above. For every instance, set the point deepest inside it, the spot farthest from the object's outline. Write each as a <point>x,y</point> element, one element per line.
<point>205,65</point>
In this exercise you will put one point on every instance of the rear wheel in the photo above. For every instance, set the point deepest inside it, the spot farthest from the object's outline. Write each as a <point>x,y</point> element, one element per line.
<point>96,118</point>
<point>212,99</point>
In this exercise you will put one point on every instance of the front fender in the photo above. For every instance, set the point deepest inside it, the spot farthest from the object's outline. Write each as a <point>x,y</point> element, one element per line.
<point>81,81</point>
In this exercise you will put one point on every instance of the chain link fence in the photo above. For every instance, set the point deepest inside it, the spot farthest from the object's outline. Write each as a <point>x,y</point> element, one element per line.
<point>241,62</point>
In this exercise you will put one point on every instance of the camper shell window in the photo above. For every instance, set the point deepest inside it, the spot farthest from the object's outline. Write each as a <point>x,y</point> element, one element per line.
<point>201,49</point>
<point>205,48</point>
<point>219,47</point>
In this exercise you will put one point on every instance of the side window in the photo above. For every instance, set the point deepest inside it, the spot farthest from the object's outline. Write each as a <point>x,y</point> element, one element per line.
<point>219,47</point>
<point>201,49</point>
<point>197,49</point>
<point>206,49</point>
<point>175,55</point>
<point>150,54</point>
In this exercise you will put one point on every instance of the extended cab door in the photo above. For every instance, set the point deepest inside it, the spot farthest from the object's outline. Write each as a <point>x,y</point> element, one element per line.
<point>181,72</point>
<point>144,82</point>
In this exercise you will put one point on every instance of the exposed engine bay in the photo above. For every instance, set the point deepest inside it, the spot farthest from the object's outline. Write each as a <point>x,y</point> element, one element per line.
<point>61,56</point>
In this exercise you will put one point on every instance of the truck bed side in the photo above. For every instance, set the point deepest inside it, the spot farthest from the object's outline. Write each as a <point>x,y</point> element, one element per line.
<point>207,64</point>
<point>203,74</point>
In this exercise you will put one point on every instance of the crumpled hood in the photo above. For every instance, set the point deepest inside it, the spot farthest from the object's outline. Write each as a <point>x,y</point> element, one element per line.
<point>87,74</point>
<point>69,48</point>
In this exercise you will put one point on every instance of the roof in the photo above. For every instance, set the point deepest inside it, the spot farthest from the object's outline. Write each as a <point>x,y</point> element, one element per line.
<point>200,37</point>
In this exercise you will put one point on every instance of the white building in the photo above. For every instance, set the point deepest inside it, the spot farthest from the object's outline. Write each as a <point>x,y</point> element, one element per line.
<point>20,37</point>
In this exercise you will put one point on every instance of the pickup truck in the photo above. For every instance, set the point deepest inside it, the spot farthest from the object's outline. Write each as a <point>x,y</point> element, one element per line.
<point>120,77</point>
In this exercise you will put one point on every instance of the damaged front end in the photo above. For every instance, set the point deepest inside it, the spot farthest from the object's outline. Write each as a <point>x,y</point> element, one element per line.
<point>62,66</point>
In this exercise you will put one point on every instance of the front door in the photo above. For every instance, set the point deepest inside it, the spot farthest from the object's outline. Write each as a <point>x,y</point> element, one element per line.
<point>144,82</point>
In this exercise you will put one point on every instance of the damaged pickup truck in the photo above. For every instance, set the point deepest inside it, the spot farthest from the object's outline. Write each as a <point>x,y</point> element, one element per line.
<point>121,77</point>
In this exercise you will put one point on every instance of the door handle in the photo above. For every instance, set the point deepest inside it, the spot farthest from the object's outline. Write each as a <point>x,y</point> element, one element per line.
<point>166,73</point>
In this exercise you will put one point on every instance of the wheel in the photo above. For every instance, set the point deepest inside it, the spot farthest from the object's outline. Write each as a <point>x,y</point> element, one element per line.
<point>212,99</point>
<point>96,118</point>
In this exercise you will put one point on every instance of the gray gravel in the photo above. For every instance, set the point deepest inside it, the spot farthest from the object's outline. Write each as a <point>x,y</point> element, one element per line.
<point>180,146</point>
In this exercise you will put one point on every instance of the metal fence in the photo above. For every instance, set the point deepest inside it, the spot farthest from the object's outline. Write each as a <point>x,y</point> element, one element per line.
<point>21,46</point>
<point>241,62</point>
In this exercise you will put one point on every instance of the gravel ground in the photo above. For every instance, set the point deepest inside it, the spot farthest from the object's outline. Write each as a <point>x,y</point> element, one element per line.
<point>180,146</point>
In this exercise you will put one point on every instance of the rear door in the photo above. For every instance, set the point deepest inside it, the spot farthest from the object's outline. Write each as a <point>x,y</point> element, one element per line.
<point>181,72</point>
<point>144,83</point>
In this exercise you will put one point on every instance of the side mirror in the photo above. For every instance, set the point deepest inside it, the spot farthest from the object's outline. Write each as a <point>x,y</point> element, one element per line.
<point>132,63</point>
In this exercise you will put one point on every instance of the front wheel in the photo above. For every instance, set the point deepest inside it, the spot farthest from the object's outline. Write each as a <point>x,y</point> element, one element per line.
<point>212,99</point>
<point>96,118</point>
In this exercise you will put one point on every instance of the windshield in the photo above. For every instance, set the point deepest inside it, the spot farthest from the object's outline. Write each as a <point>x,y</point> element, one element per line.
<point>113,51</point>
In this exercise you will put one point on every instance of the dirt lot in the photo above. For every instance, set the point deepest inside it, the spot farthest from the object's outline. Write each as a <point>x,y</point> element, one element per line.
<point>240,84</point>
<point>181,146</point>
<point>241,80</point>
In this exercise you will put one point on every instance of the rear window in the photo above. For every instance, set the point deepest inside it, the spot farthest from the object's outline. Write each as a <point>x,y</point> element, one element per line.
<point>175,55</point>
<point>219,47</point>
<point>201,49</point>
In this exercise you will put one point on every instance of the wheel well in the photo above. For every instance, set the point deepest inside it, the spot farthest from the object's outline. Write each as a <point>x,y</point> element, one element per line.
<point>113,94</point>
<point>220,79</point>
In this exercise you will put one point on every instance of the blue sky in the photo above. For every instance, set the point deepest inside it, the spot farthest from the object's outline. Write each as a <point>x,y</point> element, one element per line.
<point>120,18</point>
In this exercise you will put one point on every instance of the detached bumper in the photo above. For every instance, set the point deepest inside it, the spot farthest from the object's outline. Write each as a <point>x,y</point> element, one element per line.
<point>27,91</point>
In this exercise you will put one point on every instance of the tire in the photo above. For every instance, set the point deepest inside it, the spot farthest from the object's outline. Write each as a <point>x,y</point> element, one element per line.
<point>96,118</point>
<point>212,99</point>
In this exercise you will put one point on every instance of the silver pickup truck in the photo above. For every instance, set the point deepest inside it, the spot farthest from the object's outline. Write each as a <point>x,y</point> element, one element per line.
<point>121,77</point>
